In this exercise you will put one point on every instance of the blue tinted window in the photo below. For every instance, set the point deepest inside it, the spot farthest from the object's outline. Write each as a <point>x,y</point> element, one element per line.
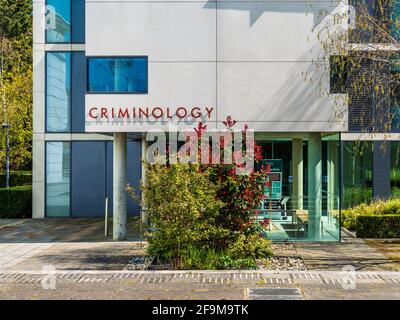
<point>395,110</point>
<point>118,75</point>
<point>65,21</point>
<point>58,21</point>
<point>58,91</point>
<point>395,19</point>
<point>58,172</point>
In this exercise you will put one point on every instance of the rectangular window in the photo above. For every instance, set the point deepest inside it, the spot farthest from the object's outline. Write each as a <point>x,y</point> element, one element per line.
<point>374,19</point>
<point>395,169</point>
<point>117,75</point>
<point>357,172</point>
<point>58,21</point>
<point>58,172</point>
<point>65,21</point>
<point>58,91</point>
<point>395,95</point>
<point>395,20</point>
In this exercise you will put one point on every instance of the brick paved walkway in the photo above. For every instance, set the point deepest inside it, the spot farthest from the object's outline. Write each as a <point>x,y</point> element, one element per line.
<point>12,254</point>
<point>80,244</point>
<point>32,245</point>
<point>335,256</point>
<point>58,230</point>
<point>196,284</point>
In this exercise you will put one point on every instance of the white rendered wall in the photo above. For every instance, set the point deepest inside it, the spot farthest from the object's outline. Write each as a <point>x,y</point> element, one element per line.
<point>245,58</point>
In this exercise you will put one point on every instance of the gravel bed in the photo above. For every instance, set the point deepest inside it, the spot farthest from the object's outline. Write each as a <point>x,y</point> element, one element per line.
<point>285,258</point>
<point>140,263</point>
<point>277,247</point>
<point>281,264</point>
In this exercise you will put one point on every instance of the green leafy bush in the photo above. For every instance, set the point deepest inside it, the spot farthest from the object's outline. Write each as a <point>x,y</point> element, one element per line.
<point>253,246</point>
<point>395,192</point>
<point>16,202</point>
<point>202,258</point>
<point>17,178</point>
<point>188,223</point>
<point>184,210</point>
<point>378,226</point>
<point>202,216</point>
<point>353,196</point>
<point>349,216</point>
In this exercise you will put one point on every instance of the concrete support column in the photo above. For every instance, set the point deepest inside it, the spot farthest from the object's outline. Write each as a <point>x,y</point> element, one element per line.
<point>332,175</point>
<point>297,163</point>
<point>119,187</point>
<point>145,216</point>
<point>314,185</point>
<point>38,176</point>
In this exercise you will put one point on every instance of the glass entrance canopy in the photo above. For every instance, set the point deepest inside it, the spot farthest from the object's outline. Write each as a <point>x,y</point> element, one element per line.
<point>302,200</point>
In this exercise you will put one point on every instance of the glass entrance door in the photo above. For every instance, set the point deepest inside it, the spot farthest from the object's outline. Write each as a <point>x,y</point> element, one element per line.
<point>307,206</point>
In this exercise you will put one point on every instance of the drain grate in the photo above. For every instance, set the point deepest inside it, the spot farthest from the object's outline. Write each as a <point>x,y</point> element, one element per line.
<point>274,294</point>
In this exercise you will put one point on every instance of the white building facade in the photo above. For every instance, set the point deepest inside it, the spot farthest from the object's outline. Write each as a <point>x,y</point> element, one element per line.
<point>106,72</point>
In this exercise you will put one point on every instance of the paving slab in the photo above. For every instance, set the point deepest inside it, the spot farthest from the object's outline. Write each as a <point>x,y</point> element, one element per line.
<point>13,254</point>
<point>83,256</point>
<point>63,243</point>
<point>6,223</point>
<point>350,253</point>
<point>61,230</point>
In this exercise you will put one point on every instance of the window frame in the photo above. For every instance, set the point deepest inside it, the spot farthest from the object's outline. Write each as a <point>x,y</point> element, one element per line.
<point>88,58</point>
<point>46,177</point>
<point>46,93</point>
<point>70,26</point>
<point>71,13</point>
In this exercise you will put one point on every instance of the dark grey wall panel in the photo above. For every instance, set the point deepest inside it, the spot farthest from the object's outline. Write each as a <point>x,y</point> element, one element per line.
<point>381,171</point>
<point>361,102</point>
<point>78,90</point>
<point>88,180</point>
<point>78,21</point>
<point>369,111</point>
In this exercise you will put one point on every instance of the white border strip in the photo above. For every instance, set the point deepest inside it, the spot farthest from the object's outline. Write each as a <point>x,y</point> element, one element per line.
<point>370,136</point>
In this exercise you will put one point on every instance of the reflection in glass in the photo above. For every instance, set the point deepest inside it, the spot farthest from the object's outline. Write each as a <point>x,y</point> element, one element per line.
<point>395,20</point>
<point>58,21</point>
<point>118,75</point>
<point>300,164</point>
<point>58,91</point>
<point>395,169</point>
<point>58,179</point>
<point>357,172</point>
<point>395,94</point>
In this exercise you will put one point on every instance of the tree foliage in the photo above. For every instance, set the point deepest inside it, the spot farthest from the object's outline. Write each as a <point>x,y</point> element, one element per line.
<point>359,43</point>
<point>16,18</point>
<point>16,84</point>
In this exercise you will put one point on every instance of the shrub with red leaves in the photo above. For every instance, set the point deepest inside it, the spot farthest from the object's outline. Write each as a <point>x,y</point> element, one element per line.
<point>241,194</point>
